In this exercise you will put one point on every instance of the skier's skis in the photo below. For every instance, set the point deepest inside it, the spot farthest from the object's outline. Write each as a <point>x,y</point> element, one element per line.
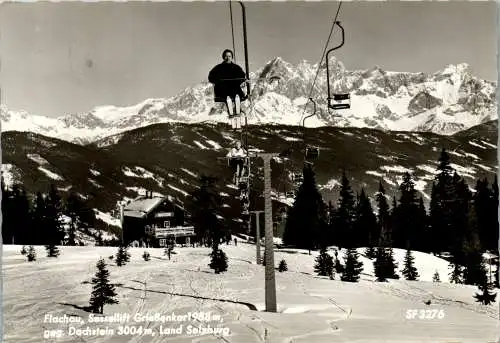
<point>230,106</point>
<point>237,104</point>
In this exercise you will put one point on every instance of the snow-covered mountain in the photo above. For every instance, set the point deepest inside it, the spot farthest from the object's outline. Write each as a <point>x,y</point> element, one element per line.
<point>444,102</point>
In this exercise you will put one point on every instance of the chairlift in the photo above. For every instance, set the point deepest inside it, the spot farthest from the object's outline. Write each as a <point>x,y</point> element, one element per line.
<point>340,101</point>
<point>297,177</point>
<point>312,152</point>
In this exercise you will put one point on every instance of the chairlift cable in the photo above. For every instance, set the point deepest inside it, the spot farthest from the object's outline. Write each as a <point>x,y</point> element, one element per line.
<point>290,149</point>
<point>322,57</point>
<point>232,29</point>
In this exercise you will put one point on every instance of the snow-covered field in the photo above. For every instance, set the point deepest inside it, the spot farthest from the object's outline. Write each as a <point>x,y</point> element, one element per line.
<point>310,308</point>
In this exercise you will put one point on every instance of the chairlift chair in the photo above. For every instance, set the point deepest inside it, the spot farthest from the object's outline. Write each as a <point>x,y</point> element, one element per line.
<point>297,177</point>
<point>312,152</point>
<point>340,101</point>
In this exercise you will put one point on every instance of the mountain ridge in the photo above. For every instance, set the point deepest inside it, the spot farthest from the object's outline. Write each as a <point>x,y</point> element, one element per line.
<point>169,158</point>
<point>444,102</point>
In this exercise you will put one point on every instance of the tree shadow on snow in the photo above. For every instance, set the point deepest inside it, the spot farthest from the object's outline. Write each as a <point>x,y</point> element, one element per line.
<point>83,308</point>
<point>250,306</point>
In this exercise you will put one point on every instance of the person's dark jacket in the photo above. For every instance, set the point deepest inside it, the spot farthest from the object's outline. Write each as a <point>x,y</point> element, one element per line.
<point>227,78</point>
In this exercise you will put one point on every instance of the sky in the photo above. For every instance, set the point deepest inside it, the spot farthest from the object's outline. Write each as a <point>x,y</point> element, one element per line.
<point>67,58</point>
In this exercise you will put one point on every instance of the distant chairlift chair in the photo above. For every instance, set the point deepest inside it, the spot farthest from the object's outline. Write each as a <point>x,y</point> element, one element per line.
<point>340,101</point>
<point>312,152</point>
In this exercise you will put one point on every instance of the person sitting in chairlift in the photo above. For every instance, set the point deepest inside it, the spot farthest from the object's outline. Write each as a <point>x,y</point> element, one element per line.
<point>237,156</point>
<point>227,78</point>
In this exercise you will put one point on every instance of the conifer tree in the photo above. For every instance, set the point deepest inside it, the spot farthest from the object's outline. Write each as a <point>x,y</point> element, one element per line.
<point>434,245</point>
<point>380,265</point>
<point>205,205</point>
<point>353,267</point>
<point>435,277</point>
<point>391,264</point>
<point>409,271</point>
<point>486,297</point>
<point>443,200</point>
<point>422,225</point>
<point>324,263</point>
<point>16,226</point>
<point>365,224</point>
<point>53,229</point>
<point>20,212</point>
<point>393,222</point>
<point>408,221</point>
<point>456,273</point>
<point>486,208</point>
<point>383,217</point>
<point>345,214</point>
<point>309,211</point>
<point>73,207</point>
<point>384,265</point>
<point>469,254</point>
<point>103,292</point>
<point>38,217</point>
<point>31,254</point>
<point>474,272</point>
<point>218,261</point>
<point>282,266</point>
<point>464,218</point>
<point>122,256</point>
<point>332,235</point>
<point>52,250</point>
<point>23,250</point>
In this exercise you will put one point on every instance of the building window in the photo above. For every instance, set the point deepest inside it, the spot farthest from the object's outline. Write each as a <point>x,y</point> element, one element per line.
<point>166,223</point>
<point>163,242</point>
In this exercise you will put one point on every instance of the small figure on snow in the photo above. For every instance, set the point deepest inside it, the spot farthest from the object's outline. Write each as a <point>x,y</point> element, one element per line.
<point>227,78</point>
<point>237,156</point>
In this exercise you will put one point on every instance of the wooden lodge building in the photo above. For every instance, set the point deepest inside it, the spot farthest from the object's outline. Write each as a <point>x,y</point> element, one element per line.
<point>152,221</point>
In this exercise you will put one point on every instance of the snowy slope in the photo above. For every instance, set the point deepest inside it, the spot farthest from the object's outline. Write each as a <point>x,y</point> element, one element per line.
<point>310,308</point>
<point>445,102</point>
